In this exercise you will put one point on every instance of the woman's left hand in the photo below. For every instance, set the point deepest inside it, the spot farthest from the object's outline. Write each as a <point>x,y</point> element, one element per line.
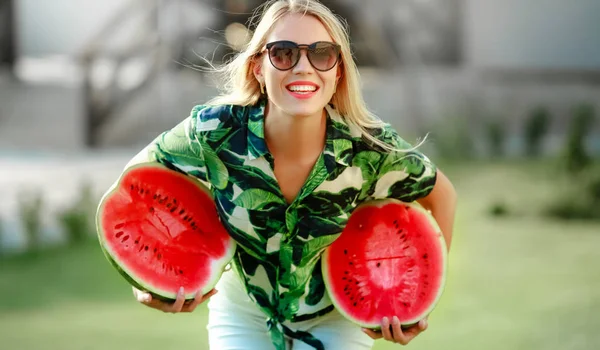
<point>397,334</point>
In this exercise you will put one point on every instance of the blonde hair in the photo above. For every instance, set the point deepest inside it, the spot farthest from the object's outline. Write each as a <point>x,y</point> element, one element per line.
<point>240,86</point>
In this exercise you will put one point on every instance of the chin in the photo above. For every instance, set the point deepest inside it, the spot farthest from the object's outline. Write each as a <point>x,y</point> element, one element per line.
<point>303,108</point>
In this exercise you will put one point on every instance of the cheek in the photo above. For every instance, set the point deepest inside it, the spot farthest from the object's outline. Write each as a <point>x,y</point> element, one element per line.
<point>274,78</point>
<point>328,80</point>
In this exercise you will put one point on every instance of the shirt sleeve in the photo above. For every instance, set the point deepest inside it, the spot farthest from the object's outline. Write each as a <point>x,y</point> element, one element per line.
<point>180,149</point>
<point>406,175</point>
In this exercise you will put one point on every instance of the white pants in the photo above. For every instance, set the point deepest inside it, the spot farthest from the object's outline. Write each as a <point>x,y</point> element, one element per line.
<point>236,323</point>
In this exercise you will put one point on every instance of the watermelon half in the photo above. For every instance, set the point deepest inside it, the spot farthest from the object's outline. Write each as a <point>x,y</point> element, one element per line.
<point>390,260</point>
<point>160,229</point>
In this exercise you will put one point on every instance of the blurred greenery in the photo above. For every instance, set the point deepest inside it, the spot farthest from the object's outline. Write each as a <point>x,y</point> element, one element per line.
<point>577,156</point>
<point>31,204</point>
<point>536,126</point>
<point>77,221</point>
<point>520,281</point>
<point>496,137</point>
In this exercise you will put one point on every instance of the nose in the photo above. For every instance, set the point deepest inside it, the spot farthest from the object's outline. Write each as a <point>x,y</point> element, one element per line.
<point>303,65</point>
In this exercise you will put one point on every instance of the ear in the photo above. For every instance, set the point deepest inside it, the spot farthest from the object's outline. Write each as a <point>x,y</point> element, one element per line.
<point>257,69</point>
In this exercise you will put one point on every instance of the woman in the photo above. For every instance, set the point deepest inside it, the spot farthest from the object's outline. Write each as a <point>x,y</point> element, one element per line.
<point>289,150</point>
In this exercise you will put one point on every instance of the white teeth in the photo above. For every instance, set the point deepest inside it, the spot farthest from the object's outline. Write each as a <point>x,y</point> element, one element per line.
<point>302,88</point>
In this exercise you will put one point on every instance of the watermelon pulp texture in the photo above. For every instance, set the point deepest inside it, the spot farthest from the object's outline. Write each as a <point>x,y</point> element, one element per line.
<point>390,260</point>
<point>160,229</point>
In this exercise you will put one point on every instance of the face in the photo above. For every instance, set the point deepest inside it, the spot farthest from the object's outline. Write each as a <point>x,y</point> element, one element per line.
<point>287,89</point>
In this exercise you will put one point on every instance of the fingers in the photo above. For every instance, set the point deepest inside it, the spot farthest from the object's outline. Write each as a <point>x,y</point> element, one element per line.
<point>373,334</point>
<point>393,332</point>
<point>198,299</point>
<point>142,297</point>
<point>404,336</point>
<point>178,304</point>
<point>385,329</point>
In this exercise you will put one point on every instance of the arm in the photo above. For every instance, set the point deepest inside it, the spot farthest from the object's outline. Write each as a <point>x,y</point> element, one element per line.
<point>441,201</point>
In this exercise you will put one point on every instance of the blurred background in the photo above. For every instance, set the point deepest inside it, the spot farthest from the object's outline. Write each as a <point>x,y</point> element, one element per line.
<point>508,93</point>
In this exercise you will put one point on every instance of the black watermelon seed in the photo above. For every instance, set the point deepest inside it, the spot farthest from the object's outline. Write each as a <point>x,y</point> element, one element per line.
<point>155,196</point>
<point>354,303</point>
<point>181,272</point>
<point>146,248</point>
<point>159,256</point>
<point>357,283</point>
<point>168,205</point>
<point>345,251</point>
<point>378,264</point>
<point>137,241</point>
<point>181,212</point>
<point>425,256</point>
<point>185,218</point>
<point>152,209</point>
<point>154,250</point>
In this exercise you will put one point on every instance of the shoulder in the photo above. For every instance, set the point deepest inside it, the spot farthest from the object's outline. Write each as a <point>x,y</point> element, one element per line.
<point>207,120</point>
<point>211,117</point>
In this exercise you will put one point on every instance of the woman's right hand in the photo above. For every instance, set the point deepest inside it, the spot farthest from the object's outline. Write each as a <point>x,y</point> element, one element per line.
<point>180,305</point>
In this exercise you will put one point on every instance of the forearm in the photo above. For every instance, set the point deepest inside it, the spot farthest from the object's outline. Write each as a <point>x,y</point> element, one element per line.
<point>442,204</point>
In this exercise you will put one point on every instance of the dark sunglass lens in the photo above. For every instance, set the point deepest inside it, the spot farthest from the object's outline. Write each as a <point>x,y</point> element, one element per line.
<point>324,55</point>
<point>283,55</point>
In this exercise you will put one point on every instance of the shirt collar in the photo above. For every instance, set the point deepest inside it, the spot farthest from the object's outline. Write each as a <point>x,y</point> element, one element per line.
<point>339,136</point>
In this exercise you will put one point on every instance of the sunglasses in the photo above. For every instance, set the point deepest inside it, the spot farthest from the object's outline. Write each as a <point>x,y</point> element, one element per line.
<point>285,55</point>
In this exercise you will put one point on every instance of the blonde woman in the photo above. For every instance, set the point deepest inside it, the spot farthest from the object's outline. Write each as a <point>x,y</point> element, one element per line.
<point>287,150</point>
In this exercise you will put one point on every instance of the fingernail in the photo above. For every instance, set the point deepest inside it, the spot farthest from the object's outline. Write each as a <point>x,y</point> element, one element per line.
<point>385,320</point>
<point>364,330</point>
<point>180,290</point>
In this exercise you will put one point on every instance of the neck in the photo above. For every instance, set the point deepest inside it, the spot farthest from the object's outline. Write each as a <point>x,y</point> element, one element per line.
<point>300,138</point>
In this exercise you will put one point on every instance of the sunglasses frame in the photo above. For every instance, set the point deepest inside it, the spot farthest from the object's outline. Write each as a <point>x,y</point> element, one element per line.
<point>306,47</point>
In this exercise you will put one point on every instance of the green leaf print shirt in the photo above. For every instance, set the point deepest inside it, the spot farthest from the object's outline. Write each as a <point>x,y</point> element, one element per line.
<point>279,245</point>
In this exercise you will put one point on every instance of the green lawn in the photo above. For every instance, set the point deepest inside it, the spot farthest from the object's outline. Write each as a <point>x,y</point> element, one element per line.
<point>515,283</point>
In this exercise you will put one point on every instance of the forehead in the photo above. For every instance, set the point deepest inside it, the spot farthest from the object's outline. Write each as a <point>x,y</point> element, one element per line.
<point>302,29</point>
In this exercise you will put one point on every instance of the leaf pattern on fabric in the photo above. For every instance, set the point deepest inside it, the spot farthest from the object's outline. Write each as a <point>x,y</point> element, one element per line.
<point>279,245</point>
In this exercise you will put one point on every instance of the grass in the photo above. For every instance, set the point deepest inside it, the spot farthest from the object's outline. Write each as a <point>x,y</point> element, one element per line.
<point>517,282</point>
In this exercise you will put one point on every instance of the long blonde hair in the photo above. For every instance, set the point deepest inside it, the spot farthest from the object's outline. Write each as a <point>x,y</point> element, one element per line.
<point>240,86</point>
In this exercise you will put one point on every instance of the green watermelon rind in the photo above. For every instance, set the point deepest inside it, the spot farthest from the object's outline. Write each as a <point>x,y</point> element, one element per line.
<point>219,266</point>
<point>444,253</point>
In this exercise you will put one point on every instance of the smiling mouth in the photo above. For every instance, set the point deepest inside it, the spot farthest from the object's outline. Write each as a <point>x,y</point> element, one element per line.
<point>302,89</point>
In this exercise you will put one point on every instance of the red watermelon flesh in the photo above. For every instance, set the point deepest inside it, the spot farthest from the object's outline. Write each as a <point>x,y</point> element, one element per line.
<point>390,260</point>
<point>161,230</point>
